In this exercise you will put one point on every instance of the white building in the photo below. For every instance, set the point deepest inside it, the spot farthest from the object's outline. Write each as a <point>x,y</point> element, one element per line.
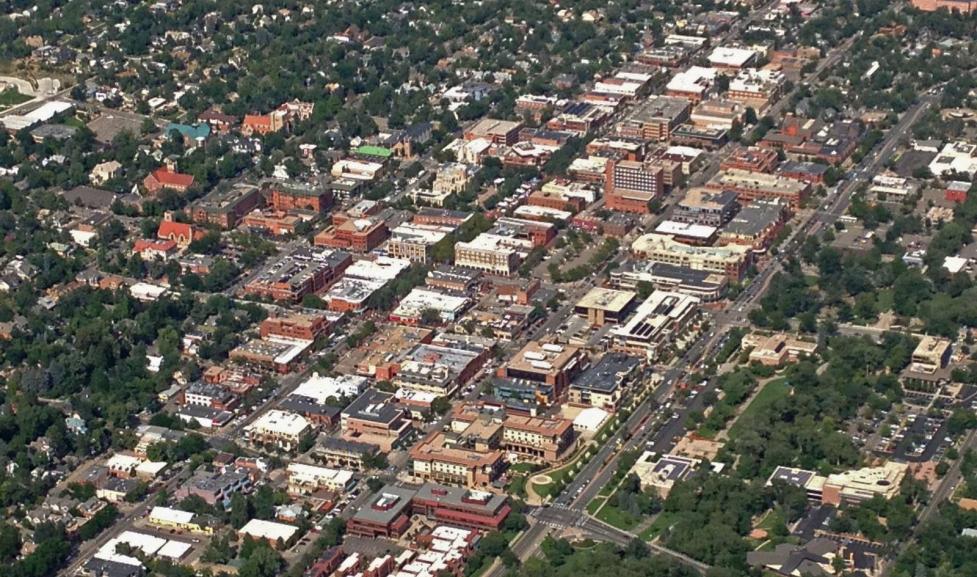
<point>321,388</point>
<point>662,321</point>
<point>411,308</point>
<point>305,479</point>
<point>960,157</point>
<point>268,530</point>
<point>281,428</point>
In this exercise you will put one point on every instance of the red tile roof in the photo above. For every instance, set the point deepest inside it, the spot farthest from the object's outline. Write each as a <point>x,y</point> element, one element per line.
<point>167,177</point>
<point>150,244</point>
<point>173,230</point>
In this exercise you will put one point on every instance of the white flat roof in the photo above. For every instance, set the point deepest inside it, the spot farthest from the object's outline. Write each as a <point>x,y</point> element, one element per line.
<point>282,422</point>
<point>261,529</point>
<point>700,231</point>
<point>171,515</point>
<point>174,549</point>
<point>381,268</point>
<point>731,56</point>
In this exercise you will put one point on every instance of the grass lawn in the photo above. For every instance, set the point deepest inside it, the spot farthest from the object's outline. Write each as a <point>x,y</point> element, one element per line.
<point>517,486</point>
<point>10,97</point>
<point>595,504</point>
<point>885,300</point>
<point>559,476</point>
<point>74,121</point>
<point>523,467</point>
<point>661,522</point>
<point>773,390</point>
<point>772,520</point>
<point>618,518</point>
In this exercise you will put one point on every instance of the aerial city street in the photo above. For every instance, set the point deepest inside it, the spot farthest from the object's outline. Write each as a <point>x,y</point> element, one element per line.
<point>488,288</point>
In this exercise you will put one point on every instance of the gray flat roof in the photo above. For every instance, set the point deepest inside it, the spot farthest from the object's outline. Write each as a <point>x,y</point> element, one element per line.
<point>604,375</point>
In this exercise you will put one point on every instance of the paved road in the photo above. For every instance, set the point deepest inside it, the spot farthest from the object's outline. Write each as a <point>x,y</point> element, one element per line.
<point>88,548</point>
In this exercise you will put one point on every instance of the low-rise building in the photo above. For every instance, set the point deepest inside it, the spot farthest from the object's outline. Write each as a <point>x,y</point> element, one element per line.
<point>731,260</point>
<point>217,487</point>
<point>537,439</point>
<point>275,534</point>
<point>704,285</point>
<point>445,457</point>
<point>707,207</point>
<point>655,118</point>
<point>225,207</point>
<point>931,354</point>
<point>304,271</point>
<point>414,242</point>
<point>308,479</point>
<point>168,518</point>
<point>602,305</point>
<point>658,325</point>
<point>777,349</point>
<point>756,226</point>
<point>487,252</point>
<point>551,364</point>
<point>282,429</point>
<point>750,185</point>
<point>605,383</point>
<point>661,473</point>
<point>375,418</point>
<point>354,234</point>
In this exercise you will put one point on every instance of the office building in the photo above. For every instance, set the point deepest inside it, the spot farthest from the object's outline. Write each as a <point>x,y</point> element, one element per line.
<point>931,354</point>
<point>694,84</point>
<point>375,418</point>
<point>440,369</point>
<point>658,325</point>
<point>226,206</point>
<point>751,185</point>
<point>630,186</point>
<point>731,260</point>
<point>487,252</point>
<point>281,429</point>
<point>304,271</point>
<point>756,226</point>
<point>549,363</point>
<point>602,305</point>
<point>537,439</point>
<point>308,479</point>
<point>450,458</point>
<point>756,88</point>
<point>354,234</point>
<point>704,285</point>
<point>718,113</point>
<point>661,473</point>
<point>292,195</point>
<point>414,242</point>
<point>655,118</point>
<point>706,207</point>
<point>605,383</point>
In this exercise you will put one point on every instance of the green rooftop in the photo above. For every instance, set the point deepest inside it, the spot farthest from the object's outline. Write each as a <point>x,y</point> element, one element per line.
<point>374,151</point>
